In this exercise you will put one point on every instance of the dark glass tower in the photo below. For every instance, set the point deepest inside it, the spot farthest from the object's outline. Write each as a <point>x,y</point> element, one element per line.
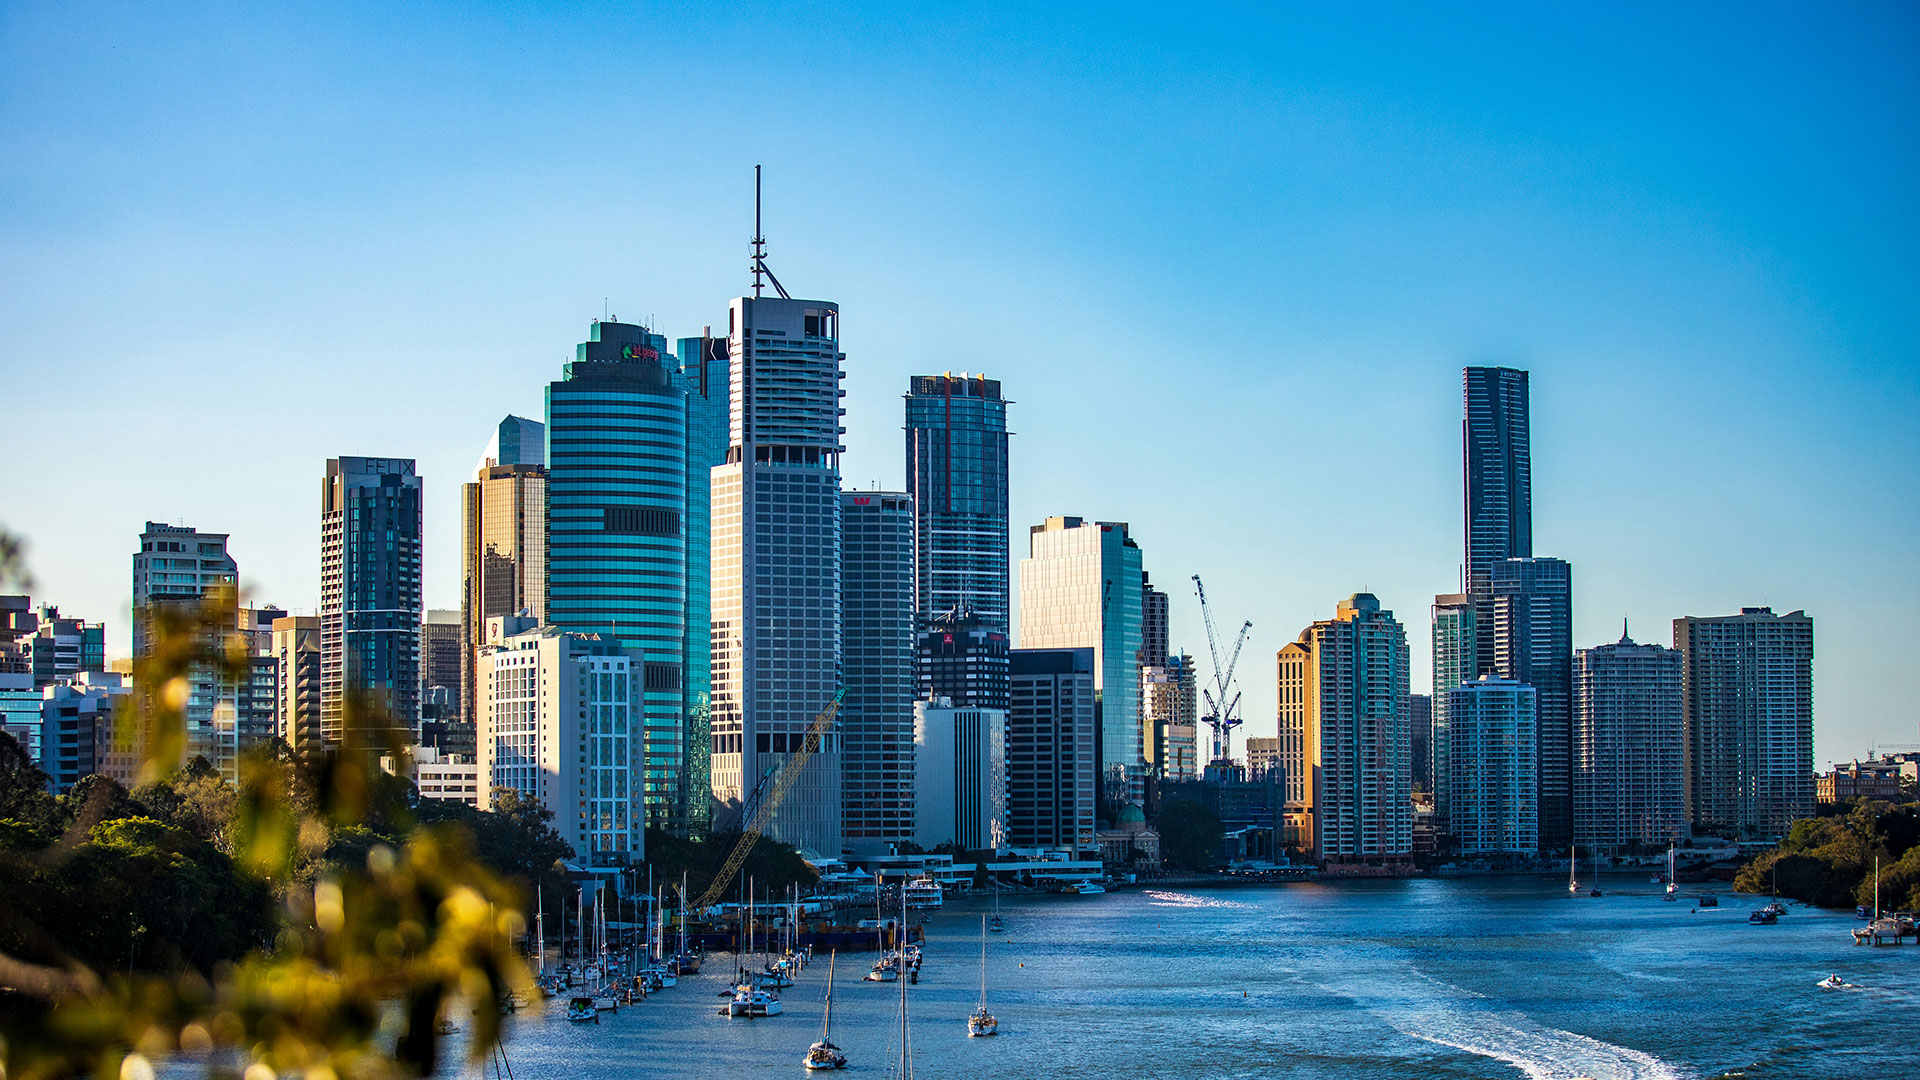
<point>876,638</point>
<point>616,539</point>
<point>1497,470</point>
<point>370,514</point>
<point>957,475</point>
<point>1533,643</point>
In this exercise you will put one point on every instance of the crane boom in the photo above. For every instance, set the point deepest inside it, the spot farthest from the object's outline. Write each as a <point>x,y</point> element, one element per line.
<point>783,781</point>
<point>1222,711</point>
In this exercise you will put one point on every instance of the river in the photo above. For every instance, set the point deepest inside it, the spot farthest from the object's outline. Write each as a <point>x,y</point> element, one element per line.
<point>1468,978</point>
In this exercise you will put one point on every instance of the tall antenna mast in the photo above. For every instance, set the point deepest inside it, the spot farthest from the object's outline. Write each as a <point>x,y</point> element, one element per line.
<point>759,246</point>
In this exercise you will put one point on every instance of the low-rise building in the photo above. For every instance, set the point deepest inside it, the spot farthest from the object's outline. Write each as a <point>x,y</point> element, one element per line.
<point>1859,780</point>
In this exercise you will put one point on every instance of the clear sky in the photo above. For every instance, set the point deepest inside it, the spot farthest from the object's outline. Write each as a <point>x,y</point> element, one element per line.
<point>1228,261</point>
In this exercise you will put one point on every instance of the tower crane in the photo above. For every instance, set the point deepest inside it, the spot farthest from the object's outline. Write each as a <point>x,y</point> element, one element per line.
<point>765,805</point>
<point>1223,712</point>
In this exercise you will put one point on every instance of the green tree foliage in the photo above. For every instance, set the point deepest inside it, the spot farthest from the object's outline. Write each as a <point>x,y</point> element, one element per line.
<point>517,838</point>
<point>23,787</point>
<point>1189,834</point>
<point>1829,860</point>
<point>773,866</point>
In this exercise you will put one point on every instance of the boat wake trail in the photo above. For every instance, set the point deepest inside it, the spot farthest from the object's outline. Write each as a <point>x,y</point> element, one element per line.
<point>1445,1015</point>
<point>1174,899</point>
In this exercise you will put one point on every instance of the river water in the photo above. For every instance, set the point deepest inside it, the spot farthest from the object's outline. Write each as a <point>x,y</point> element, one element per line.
<point>1480,978</point>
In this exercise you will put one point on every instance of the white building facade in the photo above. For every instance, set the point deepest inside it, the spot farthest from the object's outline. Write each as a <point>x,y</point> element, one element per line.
<point>960,776</point>
<point>1629,767</point>
<point>1493,728</point>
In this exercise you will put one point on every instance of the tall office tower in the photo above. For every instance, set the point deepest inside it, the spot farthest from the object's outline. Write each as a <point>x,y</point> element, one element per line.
<point>1747,708</point>
<point>560,723</point>
<point>1343,699</point>
<point>1080,588</point>
<point>1629,757</point>
<point>616,541</point>
<point>1420,723</point>
<point>776,566</point>
<point>959,776</point>
<point>703,375</point>
<point>1456,660</point>
<point>957,475</point>
<point>1169,701</point>
<point>296,656</point>
<point>503,543</point>
<point>177,565</point>
<point>1155,638</point>
<point>1497,470</point>
<point>370,514</point>
<point>964,660</point>
<point>1052,750</point>
<point>61,648</point>
<point>1533,644</point>
<point>1493,785</point>
<point>876,721</point>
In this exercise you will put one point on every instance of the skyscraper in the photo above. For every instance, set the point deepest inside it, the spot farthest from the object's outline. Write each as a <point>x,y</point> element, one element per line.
<point>1629,767</point>
<point>1497,471</point>
<point>370,513</point>
<point>178,567</point>
<point>1080,588</point>
<point>616,543</point>
<point>1747,701</point>
<point>776,566</point>
<point>1492,782</point>
<point>1052,754</point>
<point>1343,692</point>
<point>1155,634</point>
<point>876,721</point>
<point>959,776</point>
<point>1456,660</point>
<point>703,376</point>
<point>1533,644</point>
<point>963,659</point>
<point>957,475</point>
<point>503,542</point>
<point>1420,723</point>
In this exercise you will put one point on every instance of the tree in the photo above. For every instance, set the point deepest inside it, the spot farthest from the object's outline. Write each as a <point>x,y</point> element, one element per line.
<point>1189,834</point>
<point>23,787</point>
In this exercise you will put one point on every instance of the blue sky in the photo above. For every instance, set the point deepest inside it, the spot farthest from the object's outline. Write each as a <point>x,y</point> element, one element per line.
<point>1227,261</point>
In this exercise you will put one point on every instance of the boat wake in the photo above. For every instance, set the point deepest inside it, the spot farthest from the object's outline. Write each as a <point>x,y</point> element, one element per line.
<point>1188,900</point>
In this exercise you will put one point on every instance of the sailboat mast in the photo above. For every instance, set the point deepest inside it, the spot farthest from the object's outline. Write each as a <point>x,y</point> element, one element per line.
<point>983,961</point>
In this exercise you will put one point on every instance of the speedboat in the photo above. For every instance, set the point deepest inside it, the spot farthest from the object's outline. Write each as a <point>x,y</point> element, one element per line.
<point>1763,917</point>
<point>580,1010</point>
<point>1709,900</point>
<point>1776,907</point>
<point>1833,982</point>
<point>1085,888</point>
<point>825,1055</point>
<point>982,1023</point>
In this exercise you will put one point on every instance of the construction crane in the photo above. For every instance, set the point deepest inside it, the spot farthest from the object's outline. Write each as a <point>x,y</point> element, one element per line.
<point>765,805</point>
<point>1223,712</point>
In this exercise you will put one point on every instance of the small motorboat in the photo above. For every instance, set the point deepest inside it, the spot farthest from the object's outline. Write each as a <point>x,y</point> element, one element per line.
<point>1776,908</point>
<point>1834,982</point>
<point>580,1010</point>
<point>751,1001</point>
<point>1709,900</point>
<point>1762,917</point>
<point>1862,911</point>
<point>1085,888</point>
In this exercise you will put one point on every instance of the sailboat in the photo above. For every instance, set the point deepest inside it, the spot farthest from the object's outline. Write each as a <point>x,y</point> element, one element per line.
<point>1573,882</point>
<point>903,1069</point>
<point>823,1054</point>
<point>1673,883</point>
<point>1596,873</point>
<point>982,1021</point>
<point>884,969</point>
<point>684,962</point>
<point>996,924</point>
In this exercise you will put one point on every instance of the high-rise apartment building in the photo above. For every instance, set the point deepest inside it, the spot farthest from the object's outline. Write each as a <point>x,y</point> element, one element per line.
<point>703,375</point>
<point>1533,644</point>
<point>1052,754</point>
<point>876,721</point>
<point>1343,697</point>
<point>503,543</point>
<point>776,566</point>
<point>177,565</point>
<point>1080,588</point>
<point>1497,474</point>
<point>1420,723</point>
<point>296,656</point>
<point>1747,708</point>
<point>1155,633</point>
<point>964,660</point>
<point>960,776</point>
<point>1494,789</point>
<point>1169,700</point>
<point>1456,660</point>
<point>616,542</point>
<point>370,515</point>
<point>1629,774</point>
<point>560,723</point>
<point>957,474</point>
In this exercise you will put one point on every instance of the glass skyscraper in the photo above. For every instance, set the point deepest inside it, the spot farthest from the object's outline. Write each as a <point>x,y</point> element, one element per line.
<point>1456,652</point>
<point>876,631</point>
<point>1497,470</point>
<point>1533,643</point>
<point>503,545</point>
<point>957,475</point>
<point>703,375</point>
<point>370,513</point>
<point>616,545</point>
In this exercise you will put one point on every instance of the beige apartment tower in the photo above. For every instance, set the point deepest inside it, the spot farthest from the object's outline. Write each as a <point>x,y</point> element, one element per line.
<point>503,559</point>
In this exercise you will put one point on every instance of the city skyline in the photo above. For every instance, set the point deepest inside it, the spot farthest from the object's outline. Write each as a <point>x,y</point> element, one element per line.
<point>1816,514</point>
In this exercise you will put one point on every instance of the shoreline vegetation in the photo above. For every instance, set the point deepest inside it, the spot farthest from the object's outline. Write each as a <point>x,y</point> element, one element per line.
<point>1828,860</point>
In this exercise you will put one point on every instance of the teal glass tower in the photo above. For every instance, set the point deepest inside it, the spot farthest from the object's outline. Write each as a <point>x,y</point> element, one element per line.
<point>703,375</point>
<point>616,532</point>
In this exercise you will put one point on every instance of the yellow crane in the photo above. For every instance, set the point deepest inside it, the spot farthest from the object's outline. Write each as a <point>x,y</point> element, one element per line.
<point>783,782</point>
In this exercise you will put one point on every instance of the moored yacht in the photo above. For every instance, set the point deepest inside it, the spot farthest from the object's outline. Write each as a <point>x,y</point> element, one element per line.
<point>823,1054</point>
<point>982,1022</point>
<point>580,1010</point>
<point>924,892</point>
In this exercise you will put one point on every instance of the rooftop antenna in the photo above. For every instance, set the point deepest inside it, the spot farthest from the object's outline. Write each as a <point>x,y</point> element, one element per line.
<point>760,246</point>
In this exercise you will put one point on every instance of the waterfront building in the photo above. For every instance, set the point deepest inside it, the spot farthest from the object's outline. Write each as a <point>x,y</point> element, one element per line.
<point>877,724</point>
<point>1493,783</point>
<point>1263,756</point>
<point>370,599</point>
<point>1169,700</point>
<point>296,657</point>
<point>1747,710</point>
<point>703,376</point>
<point>1052,754</point>
<point>776,566</point>
<point>1080,588</point>
<point>503,543</point>
<point>1854,780</point>
<point>1497,478</point>
<point>560,722</point>
<point>616,546</point>
<point>1342,697</point>
<point>1629,776</point>
<point>1420,724</point>
<point>959,776</point>
<point>962,658</point>
<point>1456,644</point>
<point>956,437</point>
<point>1533,644</point>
